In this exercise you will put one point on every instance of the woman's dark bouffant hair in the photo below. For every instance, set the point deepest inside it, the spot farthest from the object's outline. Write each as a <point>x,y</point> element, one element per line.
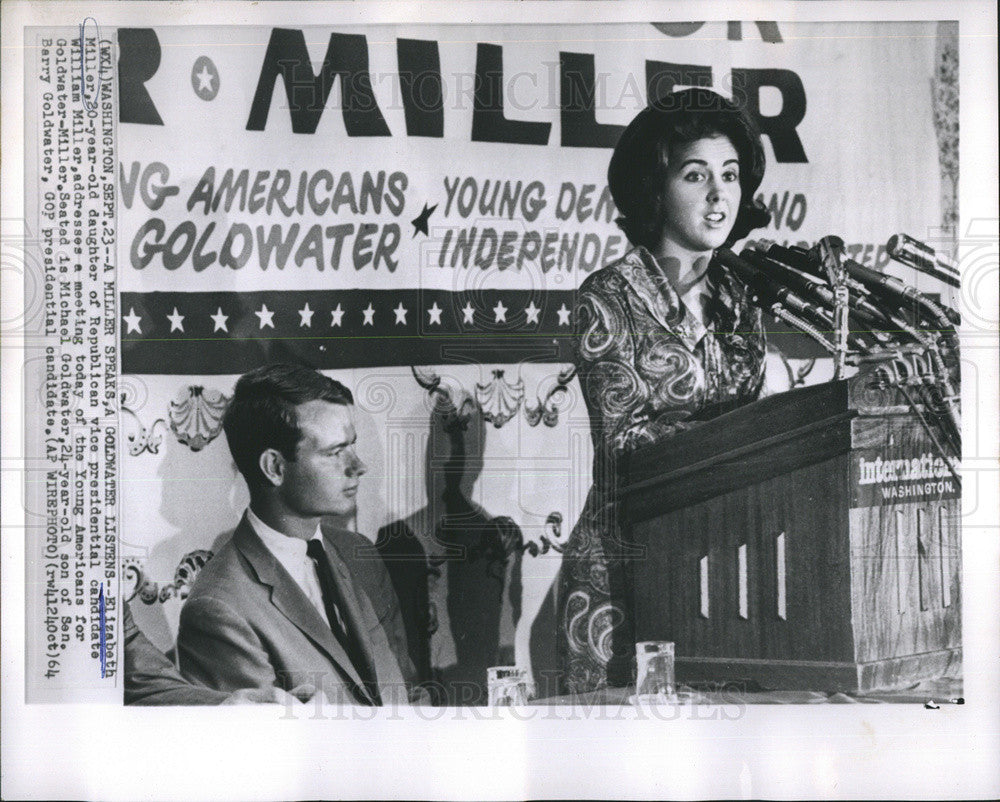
<point>638,167</point>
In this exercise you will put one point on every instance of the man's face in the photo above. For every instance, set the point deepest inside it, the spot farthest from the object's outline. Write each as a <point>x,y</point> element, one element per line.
<point>323,477</point>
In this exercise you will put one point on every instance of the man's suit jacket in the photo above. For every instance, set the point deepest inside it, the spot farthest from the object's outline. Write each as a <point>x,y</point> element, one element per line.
<point>247,624</point>
<point>152,679</point>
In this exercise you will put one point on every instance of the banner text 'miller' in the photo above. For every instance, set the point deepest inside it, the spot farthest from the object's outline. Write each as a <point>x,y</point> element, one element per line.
<point>574,87</point>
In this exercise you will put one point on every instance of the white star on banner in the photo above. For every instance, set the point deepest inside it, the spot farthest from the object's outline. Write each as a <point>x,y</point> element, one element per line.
<point>532,312</point>
<point>564,314</point>
<point>176,321</point>
<point>132,321</point>
<point>435,314</point>
<point>336,315</point>
<point>467,311</point>
<point>306,316</point>
<point>369,314</point>
<point>500,312</point>
<point>400,312</point>
<point>220,320</point>
<point>266,316</point>
<point>205,79</point>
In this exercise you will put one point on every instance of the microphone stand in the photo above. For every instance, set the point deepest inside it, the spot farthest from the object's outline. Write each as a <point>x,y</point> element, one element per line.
<point>918,364</point>
<point>894,370</point>
<point>829,253</point>
<point>940,393</point>
<point>793,320</point>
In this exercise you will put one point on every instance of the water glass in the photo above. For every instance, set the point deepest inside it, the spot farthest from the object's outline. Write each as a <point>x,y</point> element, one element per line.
<point>507,685</point>
<point>655,662</point>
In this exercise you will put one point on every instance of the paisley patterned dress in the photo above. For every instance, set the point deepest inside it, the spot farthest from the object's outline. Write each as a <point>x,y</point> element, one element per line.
<point>648,368</point>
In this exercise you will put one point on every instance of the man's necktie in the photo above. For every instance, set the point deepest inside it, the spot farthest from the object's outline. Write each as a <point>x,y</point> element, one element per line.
<point>333,604</point>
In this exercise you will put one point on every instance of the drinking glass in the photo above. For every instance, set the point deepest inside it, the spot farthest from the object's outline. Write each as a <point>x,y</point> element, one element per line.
<point>508,686</point>
<point>655,661</point>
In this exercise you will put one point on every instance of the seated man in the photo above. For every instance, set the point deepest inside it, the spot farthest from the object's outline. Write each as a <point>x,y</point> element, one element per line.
<point>151,679</point>
<point>288,601</point>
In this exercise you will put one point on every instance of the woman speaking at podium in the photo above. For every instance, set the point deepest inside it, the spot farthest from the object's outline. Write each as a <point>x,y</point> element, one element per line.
<point>664,336</point>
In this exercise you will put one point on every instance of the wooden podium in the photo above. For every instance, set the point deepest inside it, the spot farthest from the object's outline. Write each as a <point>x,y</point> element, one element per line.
<point>808,541</point>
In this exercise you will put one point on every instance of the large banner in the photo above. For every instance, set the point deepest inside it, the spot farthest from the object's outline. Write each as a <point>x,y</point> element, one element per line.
<point>361,197</point>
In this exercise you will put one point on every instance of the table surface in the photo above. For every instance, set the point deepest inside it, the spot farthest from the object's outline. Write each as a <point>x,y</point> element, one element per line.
<point>942,691</point>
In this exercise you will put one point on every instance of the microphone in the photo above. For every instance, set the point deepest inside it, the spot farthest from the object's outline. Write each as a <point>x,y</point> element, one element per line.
<point>866,312</point>
<point>920,256</point>
<point>890,294</point>
<point>942,316</point>
<point>876,282</point>
<point>784,263</point>
<point>776,298</point>
<point>770,290</point>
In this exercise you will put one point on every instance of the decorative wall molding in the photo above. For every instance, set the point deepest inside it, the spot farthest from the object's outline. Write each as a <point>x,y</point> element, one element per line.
<point>138,438</point>
<point>456,417</point>
<point>196,415</point>
<point>150,592</point>
<point>553,526</point>
<point>546,410</point>
<point>497,400</point>
<point>511,541</point>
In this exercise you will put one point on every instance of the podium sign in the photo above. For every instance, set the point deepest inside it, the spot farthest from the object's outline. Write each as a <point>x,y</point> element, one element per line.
<point>808,541</point>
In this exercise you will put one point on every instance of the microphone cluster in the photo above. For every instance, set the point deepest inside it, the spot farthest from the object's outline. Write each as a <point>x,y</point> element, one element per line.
<point>862,316</point>
<point>922,257</point>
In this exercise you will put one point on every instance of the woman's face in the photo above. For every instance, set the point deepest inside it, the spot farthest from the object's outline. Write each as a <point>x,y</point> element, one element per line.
<point>702,193</point>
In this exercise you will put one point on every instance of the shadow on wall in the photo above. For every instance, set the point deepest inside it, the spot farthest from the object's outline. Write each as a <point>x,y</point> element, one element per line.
<point>201,499</point>
<point>474,554</point>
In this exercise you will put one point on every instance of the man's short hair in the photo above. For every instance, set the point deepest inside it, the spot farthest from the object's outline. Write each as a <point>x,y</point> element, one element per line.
<point>262,412</point>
